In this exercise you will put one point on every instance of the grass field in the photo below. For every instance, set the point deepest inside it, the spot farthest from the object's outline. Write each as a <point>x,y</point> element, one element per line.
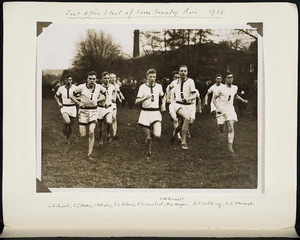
<point>123,163</point>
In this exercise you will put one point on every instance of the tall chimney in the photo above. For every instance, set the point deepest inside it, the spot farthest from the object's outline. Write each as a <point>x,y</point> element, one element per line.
<point>136,43</point>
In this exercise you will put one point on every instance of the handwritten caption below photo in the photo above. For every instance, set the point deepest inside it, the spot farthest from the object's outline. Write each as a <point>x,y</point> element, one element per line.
<point>164,202</point>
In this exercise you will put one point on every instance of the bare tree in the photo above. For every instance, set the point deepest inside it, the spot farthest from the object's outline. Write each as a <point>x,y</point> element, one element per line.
<point>153,41</point>
<point>97,51</point>
<point>240,39</point>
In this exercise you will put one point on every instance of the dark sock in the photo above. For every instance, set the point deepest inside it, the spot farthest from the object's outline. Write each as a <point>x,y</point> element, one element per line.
<point>69,131</point>
<point>221,128</point>
<point>100,130</point>
<point>108,130</point>
<point>179,127</point>
<point>65,129</point>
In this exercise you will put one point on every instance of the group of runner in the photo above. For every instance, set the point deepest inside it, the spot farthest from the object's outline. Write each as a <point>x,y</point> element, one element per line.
<point>97,104</point>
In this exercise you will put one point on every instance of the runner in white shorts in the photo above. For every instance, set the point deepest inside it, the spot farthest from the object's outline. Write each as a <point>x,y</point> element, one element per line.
<point>116,96</point>
<point>223,101</point>
<point>105,108</point>
<point>88,94</point>
<point>150,118</point>
<point>214,90</point>
<point>184,93</point>
<point>67,105</point>
<point>171,99</point>
<point>195,107</point>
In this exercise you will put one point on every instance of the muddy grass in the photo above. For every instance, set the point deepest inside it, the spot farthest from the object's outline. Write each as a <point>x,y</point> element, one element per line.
<point>123,163</point>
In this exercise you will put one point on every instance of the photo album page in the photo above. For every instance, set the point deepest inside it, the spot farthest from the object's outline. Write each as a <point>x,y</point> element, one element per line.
<point>153,119</point>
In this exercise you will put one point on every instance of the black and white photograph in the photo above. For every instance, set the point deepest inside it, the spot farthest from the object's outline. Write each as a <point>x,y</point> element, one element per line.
<point>150,119</point>
<point>153,107</point>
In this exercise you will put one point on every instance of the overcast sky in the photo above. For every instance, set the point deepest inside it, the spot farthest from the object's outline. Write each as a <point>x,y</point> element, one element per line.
<point>57,43</point>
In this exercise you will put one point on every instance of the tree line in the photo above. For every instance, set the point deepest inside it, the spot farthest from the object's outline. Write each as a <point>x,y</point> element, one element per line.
<point>204,51</point>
